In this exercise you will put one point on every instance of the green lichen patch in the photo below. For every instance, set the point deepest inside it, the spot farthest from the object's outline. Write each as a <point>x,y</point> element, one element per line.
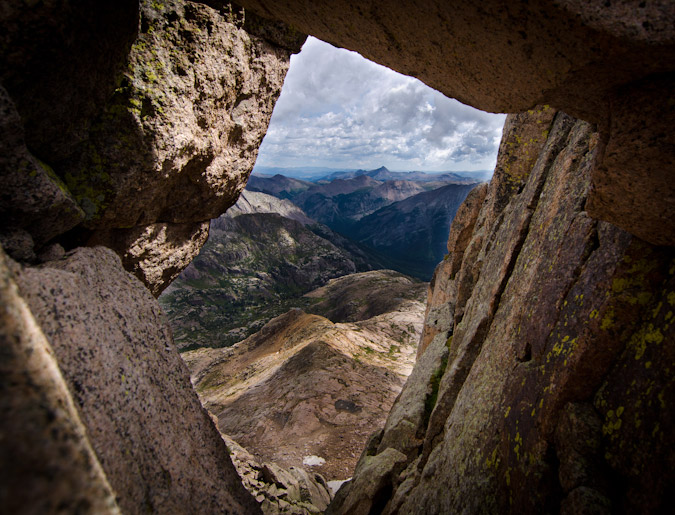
<point>434,385</point>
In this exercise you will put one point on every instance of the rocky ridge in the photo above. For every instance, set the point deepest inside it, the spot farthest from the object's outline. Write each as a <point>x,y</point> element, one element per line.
<point>256,265</point>
<point>305,386</point>
<point>251,202</point>
<point>293,491</point>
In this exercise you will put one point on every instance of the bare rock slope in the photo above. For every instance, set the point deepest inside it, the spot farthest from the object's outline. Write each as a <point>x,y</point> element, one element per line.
<point>117,357</point>
<point>304,386</point>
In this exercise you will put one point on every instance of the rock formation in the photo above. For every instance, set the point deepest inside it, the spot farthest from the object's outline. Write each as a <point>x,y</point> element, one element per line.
<point>169,146</point>
<point>293,491</point>
<point>546,383</point>
<point>115,351</point>
<point>549,384</point>
<point>47,462</point>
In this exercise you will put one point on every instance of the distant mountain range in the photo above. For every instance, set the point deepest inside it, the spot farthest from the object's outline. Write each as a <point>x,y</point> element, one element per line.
<point>319,173</point>
<point>413,232</point>
<point>405,221</point>
<point>383,174</point>
<point>289,236</point>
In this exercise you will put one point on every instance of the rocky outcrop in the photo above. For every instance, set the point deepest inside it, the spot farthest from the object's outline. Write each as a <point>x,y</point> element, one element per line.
<point>251,202</point>
<point>155,253</point>
<point>552,390</point>
<point>294,490</point>
<point>609,63</point>
<point>171,145</point>
<point>304,388</point>
<point>442,296</point>
<point>156,444</point>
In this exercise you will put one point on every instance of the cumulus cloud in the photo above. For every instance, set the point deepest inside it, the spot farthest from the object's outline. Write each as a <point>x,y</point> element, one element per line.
<point>338,109</point>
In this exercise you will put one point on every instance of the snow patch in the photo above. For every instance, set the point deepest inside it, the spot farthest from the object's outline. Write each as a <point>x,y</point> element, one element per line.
<point>313,461</point>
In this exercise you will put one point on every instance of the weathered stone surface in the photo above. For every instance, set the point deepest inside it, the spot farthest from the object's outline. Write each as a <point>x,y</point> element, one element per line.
<point>462,226</point>
<point>636,190</point>
<point>179,137</point>
<point>167,131</point>
<point>407,421</point>
<point>539,49</point>
<point>33,199</point>
<point>155,253</point>
<point>558,391</point>
<point>369,490</point>
<point>157,445</point>
<point>47,464</point>
<point>439,316</point>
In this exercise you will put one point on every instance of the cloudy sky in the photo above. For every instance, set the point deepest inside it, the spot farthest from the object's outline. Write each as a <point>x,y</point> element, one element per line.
<point>337,109</point>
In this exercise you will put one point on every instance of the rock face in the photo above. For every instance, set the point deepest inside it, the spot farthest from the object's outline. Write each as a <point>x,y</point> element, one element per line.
<point>442,297</point>
<point>118,359</point>
<point>303,386</point>
<point>600,61</point>
<point>551,389</point>
<point>155,253</point>
<point>50,465</point>
<point>171,145</point>
<point>129,126</point>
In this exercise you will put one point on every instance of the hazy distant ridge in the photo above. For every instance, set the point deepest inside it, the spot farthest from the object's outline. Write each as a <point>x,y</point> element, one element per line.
<point>318,173</point>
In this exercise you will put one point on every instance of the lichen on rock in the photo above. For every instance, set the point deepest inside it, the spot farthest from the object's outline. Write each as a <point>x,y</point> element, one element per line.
<point>171,141</point>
